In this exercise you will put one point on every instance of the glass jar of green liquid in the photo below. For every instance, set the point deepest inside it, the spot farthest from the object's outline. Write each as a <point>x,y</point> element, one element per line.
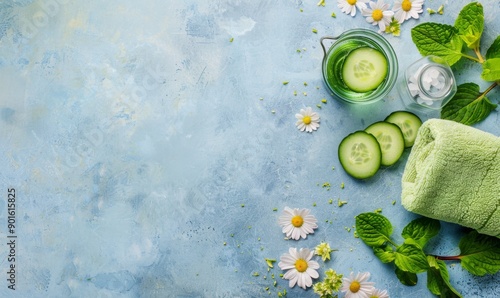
<point>360,67</point>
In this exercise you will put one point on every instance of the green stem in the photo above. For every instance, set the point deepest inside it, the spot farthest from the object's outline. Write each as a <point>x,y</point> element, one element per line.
<point>478,54</point>
<point>391,242</point>
<point>480,97</point>
<point>490,88</point>
<point>472,58</point>
<point>448,258</point>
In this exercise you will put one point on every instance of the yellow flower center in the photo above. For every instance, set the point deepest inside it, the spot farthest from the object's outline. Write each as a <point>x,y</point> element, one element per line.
<point>301,265</point>
<point>406,5</point>
<point>354,287</point>
<point>351,2</point>
<point>377,15</point>
<point>306,120</point>
<point>297,221</point>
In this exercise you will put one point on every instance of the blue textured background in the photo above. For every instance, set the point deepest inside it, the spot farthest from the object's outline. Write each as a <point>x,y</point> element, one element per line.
<point>133,132</point>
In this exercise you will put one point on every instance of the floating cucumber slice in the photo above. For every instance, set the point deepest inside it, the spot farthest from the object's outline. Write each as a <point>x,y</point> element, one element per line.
<point>364,69</point>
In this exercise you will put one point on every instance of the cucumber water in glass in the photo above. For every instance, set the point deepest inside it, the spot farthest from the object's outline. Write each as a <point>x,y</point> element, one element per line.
<point>360,67</point>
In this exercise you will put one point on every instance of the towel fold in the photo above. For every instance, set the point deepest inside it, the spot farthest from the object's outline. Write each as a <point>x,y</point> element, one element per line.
<point>453,175</point>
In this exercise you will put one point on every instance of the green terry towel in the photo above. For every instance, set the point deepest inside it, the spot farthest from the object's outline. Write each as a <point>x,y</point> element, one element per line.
<point>453,175</point>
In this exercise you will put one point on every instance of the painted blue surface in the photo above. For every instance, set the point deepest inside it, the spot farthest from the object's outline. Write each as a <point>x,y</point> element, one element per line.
<point>133,132</point>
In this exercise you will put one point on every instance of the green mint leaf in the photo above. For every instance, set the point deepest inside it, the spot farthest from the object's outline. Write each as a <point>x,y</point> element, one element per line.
<point>406,278</point>
<point>468,106</point>
<point>374,229</point>
<point>494,49</point>
<point>491,69</point>
<point>470,24</point>
<point>438,39</point>
<point>480,254</point>
<point>438,279</point>
<point>384,253</point>
<point>421,230</point>
<point>411,258</point>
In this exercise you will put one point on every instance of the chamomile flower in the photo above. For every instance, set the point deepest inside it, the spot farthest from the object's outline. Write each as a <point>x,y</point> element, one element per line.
<point>376,293</point>
<point>307,120</point>
<point>349,6</point>
<point>378,14</point>
<point>357,286</point>
<point>323,249</point>
<point>297,223</point>
<point>406,9</point>
<point>301,269</point>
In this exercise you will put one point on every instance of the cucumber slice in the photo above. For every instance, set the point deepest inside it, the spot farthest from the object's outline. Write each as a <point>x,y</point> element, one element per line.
<point>391,140</point>
<point>360,155</point>
<point>364,69</point>
<point>409,124</point>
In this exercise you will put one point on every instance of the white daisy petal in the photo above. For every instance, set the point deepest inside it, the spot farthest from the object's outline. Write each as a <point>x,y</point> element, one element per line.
<point>360,5</point>
<point>400,16</point>
<point>306,281</point>
<point>286,258</point>
<point>313,265</point>
<point>293,281</point>
<point>353,11</point>
<point>290,273</point>
<point>313,273</point>
<point>287,230</point>
<point>376,293</point>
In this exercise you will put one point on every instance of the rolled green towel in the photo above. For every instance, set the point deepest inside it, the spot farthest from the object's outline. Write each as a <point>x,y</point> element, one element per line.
<point>453,175</point>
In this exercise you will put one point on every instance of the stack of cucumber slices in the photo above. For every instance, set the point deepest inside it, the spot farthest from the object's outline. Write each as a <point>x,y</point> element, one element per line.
<point>363,152</point>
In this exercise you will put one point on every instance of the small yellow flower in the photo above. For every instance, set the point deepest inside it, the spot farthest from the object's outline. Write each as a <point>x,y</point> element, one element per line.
<point>330,285</point>
<point>393,28</point>
<point>323,249</point>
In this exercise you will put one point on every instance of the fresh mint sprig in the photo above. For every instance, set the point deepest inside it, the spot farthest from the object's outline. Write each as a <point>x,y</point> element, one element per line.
<point>479,254</point>
<point>452,43</point>
<point>469,104</point>
<point>470,25</point>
